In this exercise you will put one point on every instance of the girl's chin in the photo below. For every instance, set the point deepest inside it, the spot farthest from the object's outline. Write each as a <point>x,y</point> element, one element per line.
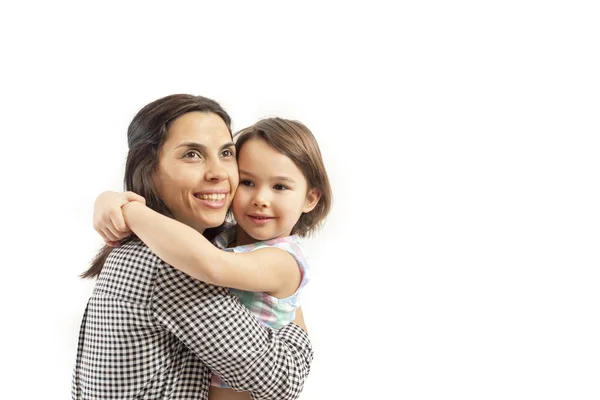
<point>257,236</point>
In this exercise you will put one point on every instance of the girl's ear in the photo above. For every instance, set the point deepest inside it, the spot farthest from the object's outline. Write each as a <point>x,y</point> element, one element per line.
<point>312,199</point>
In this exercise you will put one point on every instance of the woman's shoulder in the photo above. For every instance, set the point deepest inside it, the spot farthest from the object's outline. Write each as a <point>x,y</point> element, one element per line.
<point>132,252</point>
<point>135,251</point>
<point>129,272</point>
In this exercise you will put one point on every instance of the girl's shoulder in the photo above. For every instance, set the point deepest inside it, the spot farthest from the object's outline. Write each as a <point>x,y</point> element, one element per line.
<point>290,244</point>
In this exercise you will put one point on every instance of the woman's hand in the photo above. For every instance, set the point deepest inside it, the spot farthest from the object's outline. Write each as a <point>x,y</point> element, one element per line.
<point>108,216</point>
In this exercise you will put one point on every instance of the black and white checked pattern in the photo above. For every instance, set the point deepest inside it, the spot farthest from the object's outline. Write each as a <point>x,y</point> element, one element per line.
<point>151,332</point>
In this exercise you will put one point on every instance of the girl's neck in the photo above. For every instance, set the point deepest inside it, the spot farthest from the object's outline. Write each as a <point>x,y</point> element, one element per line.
<point>242,238</point>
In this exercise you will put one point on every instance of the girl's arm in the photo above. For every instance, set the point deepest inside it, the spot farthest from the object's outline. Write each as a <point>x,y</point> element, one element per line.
<point>269,270</point>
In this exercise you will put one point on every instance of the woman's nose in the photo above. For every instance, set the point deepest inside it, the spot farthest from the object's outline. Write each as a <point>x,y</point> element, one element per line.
<point>215,171</point>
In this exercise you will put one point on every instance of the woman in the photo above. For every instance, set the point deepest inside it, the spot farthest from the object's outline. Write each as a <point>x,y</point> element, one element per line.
<point>150,331</point>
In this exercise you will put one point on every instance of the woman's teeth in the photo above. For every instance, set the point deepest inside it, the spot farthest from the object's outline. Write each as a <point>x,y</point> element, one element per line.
<point>212,197</point>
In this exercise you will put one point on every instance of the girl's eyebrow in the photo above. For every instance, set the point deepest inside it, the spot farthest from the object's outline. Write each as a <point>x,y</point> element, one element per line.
<point>284,178</point>
<point>275,178</point>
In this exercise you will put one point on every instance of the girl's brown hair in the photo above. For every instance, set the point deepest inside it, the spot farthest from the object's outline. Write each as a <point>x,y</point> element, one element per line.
<point>297,142</point>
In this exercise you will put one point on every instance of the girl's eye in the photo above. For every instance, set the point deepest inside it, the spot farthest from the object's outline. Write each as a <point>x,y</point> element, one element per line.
<point>227,153</point>
<point>246,182</point>
<point>192,154</point>
<point>280,187</point>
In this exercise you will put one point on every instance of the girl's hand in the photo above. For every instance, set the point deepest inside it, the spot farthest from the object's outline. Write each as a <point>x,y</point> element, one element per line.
<point>108,217</point>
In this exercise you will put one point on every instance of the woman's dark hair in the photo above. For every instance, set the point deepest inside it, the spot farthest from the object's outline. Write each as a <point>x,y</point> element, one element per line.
<point>146,134</point>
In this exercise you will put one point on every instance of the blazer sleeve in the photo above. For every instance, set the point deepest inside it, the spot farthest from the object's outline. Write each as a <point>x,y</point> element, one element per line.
<point>211,322</point>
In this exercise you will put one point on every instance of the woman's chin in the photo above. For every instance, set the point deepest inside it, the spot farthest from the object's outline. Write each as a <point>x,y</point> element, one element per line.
<point>205,223</point>
<point>213,222</point>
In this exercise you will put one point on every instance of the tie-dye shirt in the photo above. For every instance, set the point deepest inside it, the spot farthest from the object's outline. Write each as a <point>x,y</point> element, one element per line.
<point>269,310</point>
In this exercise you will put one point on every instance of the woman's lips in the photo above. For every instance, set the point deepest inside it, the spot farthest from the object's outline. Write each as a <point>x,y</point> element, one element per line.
<point>212,200</point>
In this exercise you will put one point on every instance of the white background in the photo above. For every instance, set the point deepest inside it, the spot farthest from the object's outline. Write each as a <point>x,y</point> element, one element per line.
<point>461,256</point>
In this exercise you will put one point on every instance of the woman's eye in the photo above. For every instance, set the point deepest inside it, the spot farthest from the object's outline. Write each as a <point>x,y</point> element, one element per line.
<point>246,182</point>
<point>279,187</point>
<point>228,153</point>
<point>192,154</point>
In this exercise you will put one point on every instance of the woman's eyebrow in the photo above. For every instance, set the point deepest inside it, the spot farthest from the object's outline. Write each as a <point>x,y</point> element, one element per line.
<point>192,145</point>
<point>200,146</point>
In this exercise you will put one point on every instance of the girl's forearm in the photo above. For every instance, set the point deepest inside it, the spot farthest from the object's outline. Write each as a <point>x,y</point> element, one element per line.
<point>175,243</point>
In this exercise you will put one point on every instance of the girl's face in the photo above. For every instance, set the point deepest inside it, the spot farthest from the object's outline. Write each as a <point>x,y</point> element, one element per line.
<point>272,195</point>
<point>197,171</point>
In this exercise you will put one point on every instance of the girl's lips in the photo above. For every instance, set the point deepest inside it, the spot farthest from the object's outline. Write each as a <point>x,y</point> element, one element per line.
<point>260,219</point>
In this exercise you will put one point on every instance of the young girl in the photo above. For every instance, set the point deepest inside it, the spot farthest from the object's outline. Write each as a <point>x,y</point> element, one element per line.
<point>284,194</point>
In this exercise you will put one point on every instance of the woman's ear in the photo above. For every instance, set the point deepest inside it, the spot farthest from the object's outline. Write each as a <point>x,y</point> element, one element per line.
<point>312,199</point>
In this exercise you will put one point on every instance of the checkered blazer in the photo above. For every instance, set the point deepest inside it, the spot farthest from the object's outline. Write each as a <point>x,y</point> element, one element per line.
<point>151,332</point>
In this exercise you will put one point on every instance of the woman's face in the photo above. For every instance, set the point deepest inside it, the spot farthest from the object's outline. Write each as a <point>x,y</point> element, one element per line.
<point>197,172</point>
